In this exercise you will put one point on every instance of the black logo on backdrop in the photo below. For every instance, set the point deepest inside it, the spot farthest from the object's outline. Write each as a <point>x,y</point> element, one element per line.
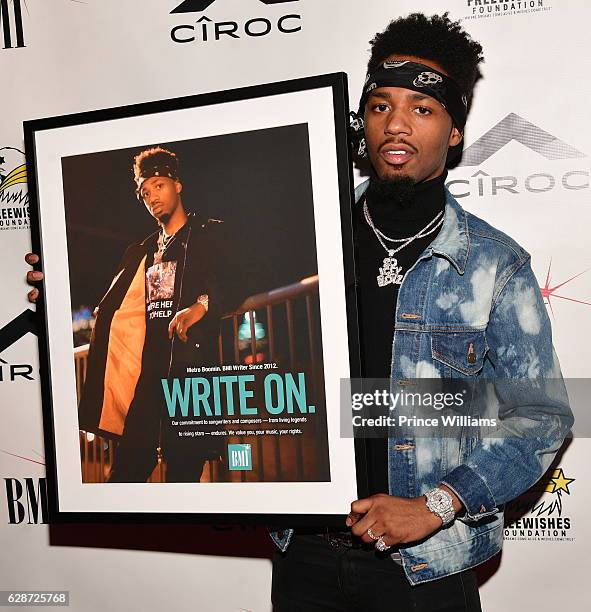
<point>20,326</point>
<point>11,22</point>
<point>198,6</point>
<point>26,500</point>
<point>10,334</point>
<point>205,30</point>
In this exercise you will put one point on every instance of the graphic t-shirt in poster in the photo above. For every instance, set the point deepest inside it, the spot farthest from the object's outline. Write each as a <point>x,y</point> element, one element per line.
<point>163,267</point>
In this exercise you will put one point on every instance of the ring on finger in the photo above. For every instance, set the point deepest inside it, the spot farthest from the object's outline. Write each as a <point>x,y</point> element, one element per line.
<point>372,535</point>
<point>381,545</point>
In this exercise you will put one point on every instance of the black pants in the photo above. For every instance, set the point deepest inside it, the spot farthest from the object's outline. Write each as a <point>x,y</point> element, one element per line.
<point>135,463</point>
<point>313,576</point>
<point>146,428</point>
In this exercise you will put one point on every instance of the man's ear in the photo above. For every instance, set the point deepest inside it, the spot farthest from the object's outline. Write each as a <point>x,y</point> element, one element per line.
<point>178,186</point>
<point>455,137</point>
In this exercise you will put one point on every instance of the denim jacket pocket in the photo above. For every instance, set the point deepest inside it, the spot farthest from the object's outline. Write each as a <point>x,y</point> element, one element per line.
<point>463,351</point>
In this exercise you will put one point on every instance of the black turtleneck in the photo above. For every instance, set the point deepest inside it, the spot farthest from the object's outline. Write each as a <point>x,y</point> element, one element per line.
<point>377,305</point>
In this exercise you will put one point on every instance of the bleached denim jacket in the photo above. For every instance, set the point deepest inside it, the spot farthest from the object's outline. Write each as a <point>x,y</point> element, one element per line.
<point>472,287</point>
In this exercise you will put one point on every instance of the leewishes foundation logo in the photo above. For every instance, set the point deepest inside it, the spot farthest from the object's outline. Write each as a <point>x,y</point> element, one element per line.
<point>483,9</point>
<point>14,196</point>
<point>542,519</point>
<point>220,25</point>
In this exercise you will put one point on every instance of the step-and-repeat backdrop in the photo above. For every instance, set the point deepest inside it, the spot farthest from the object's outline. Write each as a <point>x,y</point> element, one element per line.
<point>525,169</point>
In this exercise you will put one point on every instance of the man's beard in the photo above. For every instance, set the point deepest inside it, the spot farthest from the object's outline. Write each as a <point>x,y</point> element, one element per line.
<point>163,219</point>
<point>400,190</point>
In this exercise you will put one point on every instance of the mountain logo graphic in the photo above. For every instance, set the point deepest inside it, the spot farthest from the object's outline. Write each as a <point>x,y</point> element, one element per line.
<point>20,326</point>
<point>198,6</point>
<point>514,127</point>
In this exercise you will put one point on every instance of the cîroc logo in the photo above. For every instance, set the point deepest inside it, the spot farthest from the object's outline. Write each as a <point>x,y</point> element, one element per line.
<point>542,144</point>
<point>10,334</point>
<point>14,197</point>
<point>11,21</point>
<point>544,519</point>
<point>205,29</point>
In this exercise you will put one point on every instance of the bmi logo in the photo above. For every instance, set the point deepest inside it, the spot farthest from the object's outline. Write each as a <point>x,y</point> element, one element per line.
<point>14,196</point>
<point>205,29</point>
<point>545,146</point>
<point>542,519</point>
<point>239,457</point>
<point>26,500</point>
<point>11,20</point>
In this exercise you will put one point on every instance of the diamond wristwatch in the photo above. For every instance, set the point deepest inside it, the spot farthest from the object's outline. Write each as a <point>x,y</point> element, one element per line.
<point>440,503</point>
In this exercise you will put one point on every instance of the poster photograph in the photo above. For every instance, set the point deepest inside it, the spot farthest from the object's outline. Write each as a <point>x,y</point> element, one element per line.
<point>195,304</point>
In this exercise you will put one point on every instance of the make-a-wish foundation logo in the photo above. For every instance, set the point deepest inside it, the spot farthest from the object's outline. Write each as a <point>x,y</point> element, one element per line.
<point>542,518</point>
<point>14,196</point>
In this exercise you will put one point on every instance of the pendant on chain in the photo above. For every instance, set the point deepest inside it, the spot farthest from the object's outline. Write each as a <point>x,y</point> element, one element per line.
<point>390,272</point>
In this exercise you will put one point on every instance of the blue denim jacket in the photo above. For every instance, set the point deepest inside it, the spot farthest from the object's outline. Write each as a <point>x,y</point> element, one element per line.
<point>472,286</point>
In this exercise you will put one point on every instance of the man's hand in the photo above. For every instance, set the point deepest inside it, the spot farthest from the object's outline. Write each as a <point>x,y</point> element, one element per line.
<point>398,519</point>
<point>184,319</point>
<point>33,276</point>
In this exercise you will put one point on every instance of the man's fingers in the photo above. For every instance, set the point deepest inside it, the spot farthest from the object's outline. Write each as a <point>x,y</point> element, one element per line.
<point>171,327</point>
<point>361,506</point>
<point>31,258</point>
<point>33,295</point>
<point>352,518</point>
<point>34,276</point>
<point>360,528</point>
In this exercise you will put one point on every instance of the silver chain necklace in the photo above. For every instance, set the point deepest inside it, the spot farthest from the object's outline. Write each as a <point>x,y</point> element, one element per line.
<point>163,242</point>
<point>390,273</point>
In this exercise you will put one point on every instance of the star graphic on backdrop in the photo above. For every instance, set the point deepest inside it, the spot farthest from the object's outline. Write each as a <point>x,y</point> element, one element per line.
<point>559,482</point>
<point>2,160</point>
<point>549,292</point>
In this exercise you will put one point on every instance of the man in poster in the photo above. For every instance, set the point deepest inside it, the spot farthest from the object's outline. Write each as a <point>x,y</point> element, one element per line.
<point>139,340</point>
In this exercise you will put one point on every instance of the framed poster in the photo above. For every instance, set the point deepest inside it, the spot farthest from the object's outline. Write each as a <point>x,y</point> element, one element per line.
<point>196,319</point>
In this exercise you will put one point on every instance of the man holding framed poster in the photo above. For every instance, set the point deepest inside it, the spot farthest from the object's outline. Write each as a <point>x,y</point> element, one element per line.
<point>254,379</point>
<point>457,315</point>
<point>442,295</point>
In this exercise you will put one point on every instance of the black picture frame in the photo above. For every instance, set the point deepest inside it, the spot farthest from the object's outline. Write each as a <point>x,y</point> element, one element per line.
<point>42,205</point>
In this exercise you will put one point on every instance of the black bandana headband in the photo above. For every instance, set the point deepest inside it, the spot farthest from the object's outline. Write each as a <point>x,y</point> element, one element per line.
<point>419,78</point>
<point>159,163</point>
